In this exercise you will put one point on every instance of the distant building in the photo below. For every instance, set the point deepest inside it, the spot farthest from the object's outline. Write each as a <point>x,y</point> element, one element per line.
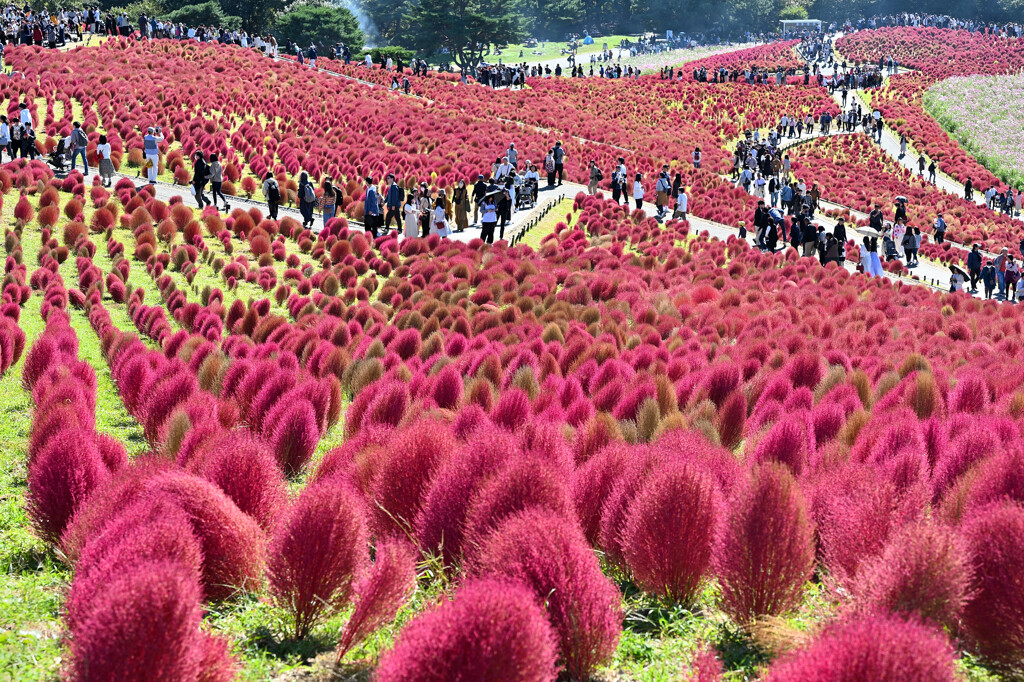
<point>795,26</point>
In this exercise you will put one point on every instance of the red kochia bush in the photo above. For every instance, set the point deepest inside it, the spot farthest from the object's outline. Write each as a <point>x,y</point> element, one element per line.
<point>767,549</point>
<point>874,647</point>
<point>492,631</point>
<point>923,572</point>
<point>381,593</point>
<point>152,529</point>
<point>317,553</point>
<point>525,483</point>
<point>854,508</point>
<point>994,615</point>
<point>244,468</point>
<point>293,434</point>
<point>402,475</point>
<point>60,479</point>
<point>549,554</point>
<point>670,531</point>
<point>234,545</point>
<point>144,626</point>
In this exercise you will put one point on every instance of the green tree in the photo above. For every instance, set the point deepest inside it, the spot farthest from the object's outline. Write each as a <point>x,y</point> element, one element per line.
<point>465,28</point>
<point>793,13</point>
<point>320,24</point>
<point>206,14</point>
<point>390,19</point>
<point>257,15</point>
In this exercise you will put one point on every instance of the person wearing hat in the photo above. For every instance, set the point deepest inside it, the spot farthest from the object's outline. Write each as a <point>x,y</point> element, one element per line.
<point>988,278</point>
<point>559,156</point>
<point>479,190</point>
<point>151,149</point>
<point>940,229</point>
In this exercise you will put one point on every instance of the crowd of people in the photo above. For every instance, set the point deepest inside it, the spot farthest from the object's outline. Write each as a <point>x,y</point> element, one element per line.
<point>1014,30</point>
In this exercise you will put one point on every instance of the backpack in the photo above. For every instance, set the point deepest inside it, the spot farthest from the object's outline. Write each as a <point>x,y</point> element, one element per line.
<point>308,195</point>
<point>273,193</point>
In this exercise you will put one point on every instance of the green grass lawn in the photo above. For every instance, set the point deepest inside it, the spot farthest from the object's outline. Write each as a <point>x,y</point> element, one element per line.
<point>542,52</point>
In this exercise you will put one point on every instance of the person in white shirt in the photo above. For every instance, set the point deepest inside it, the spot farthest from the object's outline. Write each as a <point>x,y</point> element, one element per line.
<point>368,61</point>
<point>25,116</point>
<point>682,204</point>
<point>638,191</point>
<point>106,165</point>
<point>151,148</point>
<point>5,138</point>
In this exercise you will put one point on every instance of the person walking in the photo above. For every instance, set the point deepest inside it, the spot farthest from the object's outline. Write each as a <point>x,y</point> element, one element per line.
<point>307,200</point>
<point>5,138</point>
<point>1000,268</point>
<point>272,193</point>
<point>595,177</point>
<point>903,146</point>
<point>559,158</point>
<point>393,202</point>
<point>329,200</point>
<point>931,172</point>
<point>200,176</point>
<point>662,188</point>
<point>940,229</point>
<point>479,190</point>
<point>217,182</point>
<point>697,157</point>
<point>79,142</point>
<point>638,191</point>
<point>921,163</point>
<point>103,151</point>
<point>412,215</point>
<point>151,150</point>
<point>988,278</point>
<point>974,267</point>
<point>460,204</point>
<point>371,207</point>
<point>489,218</point>
<point>549,168</point>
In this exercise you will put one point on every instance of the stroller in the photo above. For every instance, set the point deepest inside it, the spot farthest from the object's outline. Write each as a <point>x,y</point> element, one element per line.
<point>526,195</point>
<point>59,160</point>
<point>891,253</point>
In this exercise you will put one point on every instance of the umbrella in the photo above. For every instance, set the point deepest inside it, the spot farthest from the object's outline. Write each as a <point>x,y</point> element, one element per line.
<point>958,270</point>
<point>494,193</point>
<point>870,232</point>
<point>901,198</point>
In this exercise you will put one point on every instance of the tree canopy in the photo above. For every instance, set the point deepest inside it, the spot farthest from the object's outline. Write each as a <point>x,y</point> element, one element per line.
<point>464,28</point>
<point>324,25</point>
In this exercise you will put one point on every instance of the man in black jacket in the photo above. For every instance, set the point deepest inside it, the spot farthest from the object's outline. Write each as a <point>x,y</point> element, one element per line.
<point>876,218</point>
<point>761,221</point>
<point>479,190</point>
<point>974,267</point>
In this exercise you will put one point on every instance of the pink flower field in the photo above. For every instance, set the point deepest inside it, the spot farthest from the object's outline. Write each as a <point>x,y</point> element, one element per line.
<point>618,450</point>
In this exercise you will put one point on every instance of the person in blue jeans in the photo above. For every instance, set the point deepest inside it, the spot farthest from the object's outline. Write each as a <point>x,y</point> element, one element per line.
<point>328,200</point>
<point>79,141</point>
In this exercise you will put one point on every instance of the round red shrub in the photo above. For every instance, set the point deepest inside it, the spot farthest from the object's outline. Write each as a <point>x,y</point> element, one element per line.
<point>548,553</point>
<point>492,631</point>
<point>670,531</point>
<point>317,553</point>
<point>767,549</point>
<point>873,647</point>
